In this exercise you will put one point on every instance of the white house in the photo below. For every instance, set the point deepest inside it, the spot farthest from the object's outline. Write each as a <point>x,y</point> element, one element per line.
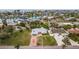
<point>70,18</point>
<point>64,23</point>
<point>1,23</point>
<point>50,17</point>
<point>35,18</point>
<point>76,23</point>
<point>39,31</point>
<point>10,22</point>
<point>18,20</point>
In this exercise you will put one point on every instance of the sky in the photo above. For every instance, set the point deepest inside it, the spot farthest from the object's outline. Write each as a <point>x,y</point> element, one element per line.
<point>39,4</point>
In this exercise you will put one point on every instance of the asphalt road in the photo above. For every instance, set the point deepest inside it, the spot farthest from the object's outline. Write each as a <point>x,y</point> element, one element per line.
<point>40,47</point>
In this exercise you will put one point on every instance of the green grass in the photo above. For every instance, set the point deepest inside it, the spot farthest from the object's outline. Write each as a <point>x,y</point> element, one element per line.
<point>21,38</point>
<point>74,37</point>
<point>46,40</point>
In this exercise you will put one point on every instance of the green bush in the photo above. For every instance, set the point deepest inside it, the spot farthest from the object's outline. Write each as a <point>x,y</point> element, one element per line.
<point>8,29</point>
<point>4,36</point>
<point>22,24</point>
<point>74,37</point>
<point>37,24</point>
<point>67,27</point>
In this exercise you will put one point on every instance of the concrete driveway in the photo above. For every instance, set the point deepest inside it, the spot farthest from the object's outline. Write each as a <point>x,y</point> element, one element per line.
<point>58,38</point>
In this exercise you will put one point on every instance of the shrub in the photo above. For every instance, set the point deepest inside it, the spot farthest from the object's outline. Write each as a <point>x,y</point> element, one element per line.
<point>4,35</point>
<point>22,24</point>
<point>8,29</point>
<point>67,27</point>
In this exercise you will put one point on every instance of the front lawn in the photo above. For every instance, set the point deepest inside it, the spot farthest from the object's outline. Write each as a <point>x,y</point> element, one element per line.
<point>74,37</point>
<point>46,40</point>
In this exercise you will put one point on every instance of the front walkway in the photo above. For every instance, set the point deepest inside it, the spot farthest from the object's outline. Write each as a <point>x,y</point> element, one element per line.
<point>33,41</point>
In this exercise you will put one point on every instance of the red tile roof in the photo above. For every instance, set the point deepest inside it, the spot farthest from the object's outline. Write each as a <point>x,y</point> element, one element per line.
<point>74,30</point>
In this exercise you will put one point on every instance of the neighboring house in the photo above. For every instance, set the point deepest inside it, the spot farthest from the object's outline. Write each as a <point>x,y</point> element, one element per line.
<point>76,23</point>
<point>39,31</point>
<point>10,22</point>
<point>73,30</point>
<point>70,18</point>
<point>44,17</point>
<point>65,23</point>
<point>1,23</point>
<point>35,18</point>
<point>19,20</point>
<point>51,17</point>
<point>77,19</point>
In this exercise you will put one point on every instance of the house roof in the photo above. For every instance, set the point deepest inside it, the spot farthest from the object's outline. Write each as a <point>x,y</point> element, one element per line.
<point>1,21</point>
<point>73,30</point>
<point>11,22</point>
<point>34,18</point>
<point>70,18</point>
<point>37,30</point>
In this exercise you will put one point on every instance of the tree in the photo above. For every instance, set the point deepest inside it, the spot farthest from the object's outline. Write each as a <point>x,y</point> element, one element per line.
<point>54,24</point>
<point>22,24</point>
<point>4,22</point>
<point>74,26</point>
<point>4,36</point>
<point>67,27</point>
<point>66,41</point>
<point>9,29</point>
<point>17,46</point>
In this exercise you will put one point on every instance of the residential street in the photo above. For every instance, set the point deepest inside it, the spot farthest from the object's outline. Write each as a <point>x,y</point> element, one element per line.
<point>40,47</point>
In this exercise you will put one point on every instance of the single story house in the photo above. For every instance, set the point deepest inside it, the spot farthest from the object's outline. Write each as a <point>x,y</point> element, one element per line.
<point>39,31</point>
<point>73,30</point>
<point>76,23</point>
<point>51,17</point>
<point>10,22</point>
<point>70,18</point>
<point>1,23</point>
<point>35,18</point>
<point>65,23</point>
<point>19,20</point>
